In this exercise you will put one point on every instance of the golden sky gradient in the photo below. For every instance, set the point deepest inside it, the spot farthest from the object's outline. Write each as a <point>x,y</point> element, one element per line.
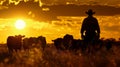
<point>109,25</point>
<point>81,2</point>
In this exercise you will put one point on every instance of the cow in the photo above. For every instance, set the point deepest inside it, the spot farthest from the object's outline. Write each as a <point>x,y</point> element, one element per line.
<point>67,43</point>
<point>42,41</point>
<point>14,42</point>
<point>108,43</point>
<point>34,42</point>
<point>58,43</point>
<point>77,44</point>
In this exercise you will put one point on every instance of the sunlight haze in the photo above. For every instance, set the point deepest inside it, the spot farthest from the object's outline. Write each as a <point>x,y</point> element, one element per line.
<point>20,24</point>
<point>55,18</point>
<point>53,29</point>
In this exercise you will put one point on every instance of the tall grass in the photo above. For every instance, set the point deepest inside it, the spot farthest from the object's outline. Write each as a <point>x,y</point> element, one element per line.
<point>51,57</point>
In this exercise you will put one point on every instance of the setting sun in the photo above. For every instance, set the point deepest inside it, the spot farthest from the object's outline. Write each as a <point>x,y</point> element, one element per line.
<point>20,24</point>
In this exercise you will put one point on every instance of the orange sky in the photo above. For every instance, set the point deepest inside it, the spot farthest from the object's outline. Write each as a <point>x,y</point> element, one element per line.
<point>81,2</point>
<point>109,25</point>
<point>54,29</point>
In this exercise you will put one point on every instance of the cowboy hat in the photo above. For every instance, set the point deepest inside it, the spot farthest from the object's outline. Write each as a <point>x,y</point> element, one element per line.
<point>90,12</point>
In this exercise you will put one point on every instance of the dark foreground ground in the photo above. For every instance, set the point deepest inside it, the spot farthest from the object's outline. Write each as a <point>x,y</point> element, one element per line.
<point>50,57</point>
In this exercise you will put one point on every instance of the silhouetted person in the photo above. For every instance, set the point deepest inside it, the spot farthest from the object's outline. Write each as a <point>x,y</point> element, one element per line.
<point>90,30</point>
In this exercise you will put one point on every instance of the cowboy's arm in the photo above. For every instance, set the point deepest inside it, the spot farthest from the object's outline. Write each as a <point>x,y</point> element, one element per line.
<point>98,27</point>
<point>83,28</point>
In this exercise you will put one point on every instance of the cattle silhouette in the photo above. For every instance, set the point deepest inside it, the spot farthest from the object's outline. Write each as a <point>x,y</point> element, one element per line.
<point>31,42</point>
<point>58,43</point>
<point>90,30</point>
<point>68,43</point>
<point>77,44</point>
<point>14,43</point>
<point>108,43</point>
<point>42,41</point>
<point>18,42</point>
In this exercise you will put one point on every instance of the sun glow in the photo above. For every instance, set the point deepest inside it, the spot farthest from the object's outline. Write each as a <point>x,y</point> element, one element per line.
<point>20,24</point>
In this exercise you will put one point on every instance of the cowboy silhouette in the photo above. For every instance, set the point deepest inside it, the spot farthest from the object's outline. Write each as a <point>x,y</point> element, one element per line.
<point>90,28</point>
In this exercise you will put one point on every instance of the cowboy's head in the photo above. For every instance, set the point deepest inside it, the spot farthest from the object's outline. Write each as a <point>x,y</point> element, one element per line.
<point>90,12</point>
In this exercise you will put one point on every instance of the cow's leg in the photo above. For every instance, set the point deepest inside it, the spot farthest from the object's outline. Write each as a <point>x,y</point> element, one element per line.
<point>10,50</point>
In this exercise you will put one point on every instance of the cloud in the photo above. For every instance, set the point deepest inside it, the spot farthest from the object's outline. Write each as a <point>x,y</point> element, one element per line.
<point>103,2</point>
<point>109,25</point>
<point>81,2</point>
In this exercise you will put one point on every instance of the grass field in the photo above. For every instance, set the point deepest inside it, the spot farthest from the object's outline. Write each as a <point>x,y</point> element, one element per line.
<point>50,57</point>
